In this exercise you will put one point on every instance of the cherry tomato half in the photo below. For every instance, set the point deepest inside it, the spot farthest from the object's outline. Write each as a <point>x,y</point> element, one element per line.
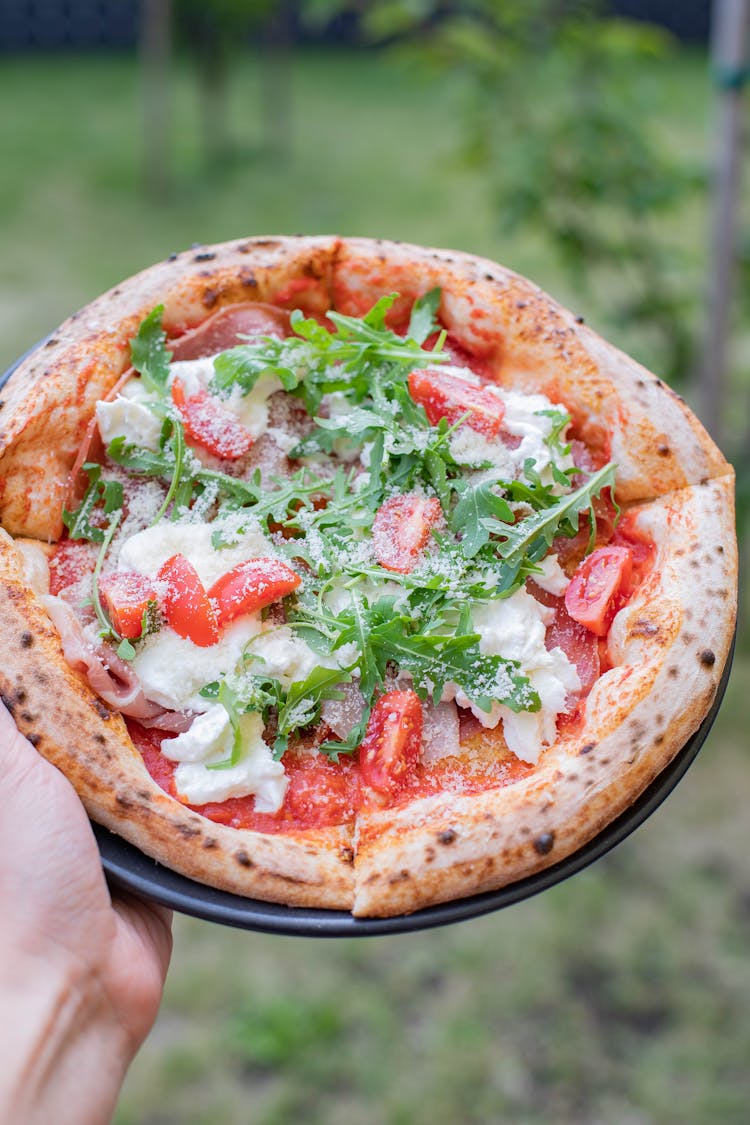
<point>448,396</point>
<point>209,425</point>
<point>401,530</point>
<point>251,585</point>
<point>393,739</point>
<point>186,604</point>
<point>593,593</point>
<point>127,596</point>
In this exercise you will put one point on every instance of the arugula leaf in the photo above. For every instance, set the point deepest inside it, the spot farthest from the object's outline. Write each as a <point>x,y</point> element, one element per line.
<point>303,700</point>
<point>244,364</point>
<point>149,355</point>
<point>423,320</point>
<point>476,514</point>
<point>434,660</point>
<point>532,537</point>
<point>102,497</point>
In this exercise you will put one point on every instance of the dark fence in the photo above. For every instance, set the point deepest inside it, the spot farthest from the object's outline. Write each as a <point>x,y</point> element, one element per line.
<point>52,25</point>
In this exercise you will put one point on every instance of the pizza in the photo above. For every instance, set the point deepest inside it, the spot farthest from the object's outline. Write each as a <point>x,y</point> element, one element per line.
<point>352,574</point>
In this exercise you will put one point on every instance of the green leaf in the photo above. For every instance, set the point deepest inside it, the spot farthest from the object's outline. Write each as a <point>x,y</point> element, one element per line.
<point>302,704</point>
<point>102,498</point>
<point>125,649</point>
<point>476,514</point>
<point>243,365</point>
<point>532,537</point>
<point>423,320</point>
<point>149,355</point>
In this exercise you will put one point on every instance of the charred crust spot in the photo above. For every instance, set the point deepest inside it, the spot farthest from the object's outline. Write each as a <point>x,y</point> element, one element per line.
<point>249,280</point>
<point>99,737</point>
<point>205,256</point>
<point>580,320</point>
<point>41,677</point>
<point>123,801</point>
<point>144,795</point>
<point>173,256</point>
<point>20,696</point>
<point>521,304</point>
<point>707,658</point>
<point>688,638</point>
<point>659,720</point>
<point>100,709</point>
<point>589,746</point>
<point>674,671</point>
<point>210,297</point>
<point>429,854</point>
<point>663,450</point>
<point>243,859</point>
<point>210,842</point>
<point>265,242</point>
<point>640,382</point>
<point>704,481</point>
<point>7,702</point>
<point>372,879</point>
<point>447,837</point>
<point>544,844</point>
<point>51,342</point>
<point>644,628</point>
<point>34,739</point>
<point>188,832</point>
<point>606,761</point>
<point>27,639</point>
<point>719,549</point>
<point>658,740</point>
<point>401,877</point>
<point>346,854</point>
<point>27,716</point>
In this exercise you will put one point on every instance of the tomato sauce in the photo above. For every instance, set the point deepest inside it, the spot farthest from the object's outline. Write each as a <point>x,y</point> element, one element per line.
<point>323,793</point>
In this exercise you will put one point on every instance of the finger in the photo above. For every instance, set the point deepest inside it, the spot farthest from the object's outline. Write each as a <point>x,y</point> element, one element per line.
<point>152,922</point>
<point>17,756</point>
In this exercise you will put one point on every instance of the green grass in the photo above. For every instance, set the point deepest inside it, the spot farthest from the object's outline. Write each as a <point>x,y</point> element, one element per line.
<point>620,996</point>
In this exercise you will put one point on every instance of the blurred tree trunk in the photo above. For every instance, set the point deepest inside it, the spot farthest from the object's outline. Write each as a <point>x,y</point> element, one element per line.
<point>155,43</point>
<point>212,55</point>
<point>276,86</point>
<point>730,59</point>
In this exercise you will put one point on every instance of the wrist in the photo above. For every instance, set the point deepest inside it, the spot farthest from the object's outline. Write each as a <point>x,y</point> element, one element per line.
<point>64,1055</point>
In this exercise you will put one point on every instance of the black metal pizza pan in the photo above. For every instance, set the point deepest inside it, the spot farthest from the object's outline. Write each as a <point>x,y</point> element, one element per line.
<point>129,869</point>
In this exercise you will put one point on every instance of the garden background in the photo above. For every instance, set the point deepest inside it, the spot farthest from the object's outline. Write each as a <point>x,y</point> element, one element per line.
<point>574,146</point>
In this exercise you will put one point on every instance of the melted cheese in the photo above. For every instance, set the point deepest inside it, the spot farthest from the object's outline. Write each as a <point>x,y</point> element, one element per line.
<point>172,670</point>
<point>515,628</point>
<point>208,742</point>
<point>148,550</point>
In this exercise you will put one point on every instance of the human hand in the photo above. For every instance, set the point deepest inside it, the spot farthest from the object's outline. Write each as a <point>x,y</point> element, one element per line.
<point>81,972</point>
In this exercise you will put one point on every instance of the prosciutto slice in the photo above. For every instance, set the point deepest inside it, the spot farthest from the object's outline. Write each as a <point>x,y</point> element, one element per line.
<point>228,327</point>
<point>111,678</point>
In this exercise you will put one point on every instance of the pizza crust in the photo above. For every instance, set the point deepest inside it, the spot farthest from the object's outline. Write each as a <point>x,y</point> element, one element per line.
<point>668,651</point>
